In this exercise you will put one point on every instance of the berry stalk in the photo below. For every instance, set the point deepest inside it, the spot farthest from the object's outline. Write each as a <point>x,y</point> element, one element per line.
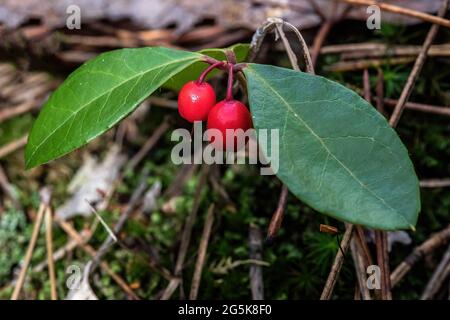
<point>229,95</point>
<point>208,70</point>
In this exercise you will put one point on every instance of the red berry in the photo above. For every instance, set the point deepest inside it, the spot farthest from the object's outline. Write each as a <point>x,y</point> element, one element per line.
<point>196,100</point>
<point>225,115</point>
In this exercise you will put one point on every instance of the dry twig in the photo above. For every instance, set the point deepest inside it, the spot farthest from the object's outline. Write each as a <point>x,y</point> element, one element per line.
<point>202,253</point>
<point>403,11</point>
<point>337,264</point>
<point>81,242</point>
<point>383,263</point>
<point>186,236</point>
<point>13,146</point>
<point>360,269</point>
<point>50,261</point>
<point>435,241</point>
<point>435,183</point>
<point>277,217</point>
<point>398,110</point>
<point>440,274</point>
<point>45,202</point>
<point>151,142</point>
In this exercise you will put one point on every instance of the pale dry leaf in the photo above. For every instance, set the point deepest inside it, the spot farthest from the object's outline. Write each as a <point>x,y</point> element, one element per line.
<point>90,179</point>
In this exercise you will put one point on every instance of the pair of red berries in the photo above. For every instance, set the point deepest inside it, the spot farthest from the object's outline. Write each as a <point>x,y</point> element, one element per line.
<point>197,102</point>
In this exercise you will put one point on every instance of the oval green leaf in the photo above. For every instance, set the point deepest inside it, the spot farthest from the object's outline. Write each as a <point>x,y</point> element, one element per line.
<point>98,95</point>
<point>336,152</point>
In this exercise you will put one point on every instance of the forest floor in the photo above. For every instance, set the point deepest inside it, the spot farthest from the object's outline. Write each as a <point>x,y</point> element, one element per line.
<point>143,262</point>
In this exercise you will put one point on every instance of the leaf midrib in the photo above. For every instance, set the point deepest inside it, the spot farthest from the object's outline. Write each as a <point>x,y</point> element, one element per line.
<point>288,107</point>
<point>140,74</point>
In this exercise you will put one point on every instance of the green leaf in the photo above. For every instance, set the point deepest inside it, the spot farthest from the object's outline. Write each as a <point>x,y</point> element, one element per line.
<point>98,95</point>
<point>194,71</point>
<point>337,153</point>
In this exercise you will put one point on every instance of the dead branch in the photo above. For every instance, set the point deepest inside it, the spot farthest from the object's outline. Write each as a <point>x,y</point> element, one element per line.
<point>81,242</point>
<point>435,183</point>
<point>134,201</point>
<point>337,264</point>
<point>360,269</point>
<point>380,92</point>
<point>444,111</point>
<point>366,85</point>
<point>8,113</point>
<point>186,235</point>
<point>437,279</point>
<point>403,11</point>
<point>277,217</point>
<point>438,239</point>
<point>49,244</point>
<point>398,110</point>
<point>45,202</point>
<point>13,146</point>
<point>203,247</point>
<point>344,66</point>
<point>363,50</point>
<point>383,263</point>
<point>149,144</point>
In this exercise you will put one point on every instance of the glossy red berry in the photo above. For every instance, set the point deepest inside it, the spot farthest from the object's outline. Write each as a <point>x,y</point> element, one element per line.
<point>196,100</point>
<point>225,115</point>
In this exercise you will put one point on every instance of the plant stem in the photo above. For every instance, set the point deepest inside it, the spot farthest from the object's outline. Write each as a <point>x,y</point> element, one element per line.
<point>208,70</point>
<point>229,96</point>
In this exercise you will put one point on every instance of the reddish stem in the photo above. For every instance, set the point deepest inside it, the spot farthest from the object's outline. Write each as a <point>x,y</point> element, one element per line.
<point>229,96</point>
<point>208,70</point>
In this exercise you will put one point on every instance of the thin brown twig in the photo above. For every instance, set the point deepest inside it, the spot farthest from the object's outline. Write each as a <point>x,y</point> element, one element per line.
<point>438,278</point>
<point>291,55</point>
<point>49,243</point>
<point>383,263</point>
<point>57,255</point>
<point>444,111</point>
<point>337,264</point>
<point>134,201</point>
<point>344,66</point>
<point>366,85</point>
<point>398,110</point>
<point>373,50</point>
<point>186,236</point>
<point>277,217</point>
<point>13,146</point>
<point>184,173</point>
<point>12,112</point>
<point>435,241</point>
<point>360,269</point>
<point>45,200</point>
<point>380,92</point>
<point>327,25</point>
<point>317,9</point>
<point>149,144</point>
<point>435,183</point>
<point>363,247</point>
<point>203,247</point>
<point>81,241</point>
<point>403,11</point>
